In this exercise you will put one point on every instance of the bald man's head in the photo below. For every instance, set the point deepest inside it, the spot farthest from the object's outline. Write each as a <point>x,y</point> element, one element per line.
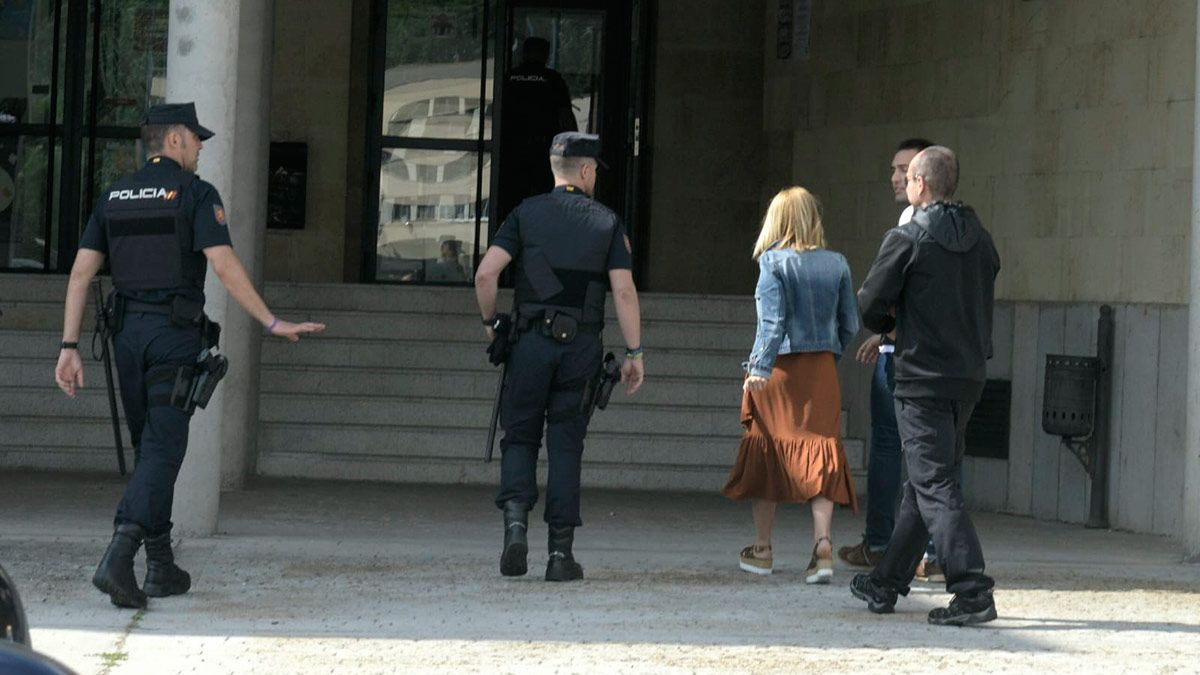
<point>937,167</point>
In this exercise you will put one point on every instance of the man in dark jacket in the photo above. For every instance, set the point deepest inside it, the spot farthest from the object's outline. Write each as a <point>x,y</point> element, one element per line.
<point>933,282</point>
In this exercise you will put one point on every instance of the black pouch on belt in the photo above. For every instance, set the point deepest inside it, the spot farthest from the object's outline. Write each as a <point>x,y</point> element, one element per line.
<point>185,311</point>
<point>561,327</point>
<point>114,311</point>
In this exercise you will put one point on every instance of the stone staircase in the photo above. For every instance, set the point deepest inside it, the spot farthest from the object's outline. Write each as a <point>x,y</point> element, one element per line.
<point>399,389</point>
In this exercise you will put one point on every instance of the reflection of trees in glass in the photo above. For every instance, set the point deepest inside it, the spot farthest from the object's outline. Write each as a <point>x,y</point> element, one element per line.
<point>433,31</point>
<point>133,54</point>
<point>29,205</point>
<point>31,22</point>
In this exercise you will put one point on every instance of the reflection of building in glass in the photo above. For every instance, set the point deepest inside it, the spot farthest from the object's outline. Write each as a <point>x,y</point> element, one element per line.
<point>427,198</point>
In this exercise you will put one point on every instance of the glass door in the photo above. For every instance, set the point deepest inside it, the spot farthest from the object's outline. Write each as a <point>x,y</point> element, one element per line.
<point>443,168</point>
<point>584,58</point>
<point>77,76</point>
<point>434,162</point>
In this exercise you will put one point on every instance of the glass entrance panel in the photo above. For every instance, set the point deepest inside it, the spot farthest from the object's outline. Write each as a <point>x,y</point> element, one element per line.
<point>427,211</point>
<point>576,51</point>
<point>432,70</point>
<point>132,73</point>
<point>553,84</point>
<point>434,171</point>
<point>26,51</point>
<point>23,215</point>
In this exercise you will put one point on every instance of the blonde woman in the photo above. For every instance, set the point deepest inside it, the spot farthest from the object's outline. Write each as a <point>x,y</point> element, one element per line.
<point>791,403</point>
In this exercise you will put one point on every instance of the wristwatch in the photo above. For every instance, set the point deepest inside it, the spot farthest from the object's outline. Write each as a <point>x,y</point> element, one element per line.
<point>70,345</point>
<point>490,323</point>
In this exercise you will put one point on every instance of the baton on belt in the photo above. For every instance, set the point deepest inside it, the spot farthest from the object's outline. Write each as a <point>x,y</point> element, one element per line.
<point>102,332</point>
<point>491,438</point>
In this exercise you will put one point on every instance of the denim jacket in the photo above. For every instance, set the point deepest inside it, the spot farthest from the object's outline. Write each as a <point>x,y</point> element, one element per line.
<point>805,303</point>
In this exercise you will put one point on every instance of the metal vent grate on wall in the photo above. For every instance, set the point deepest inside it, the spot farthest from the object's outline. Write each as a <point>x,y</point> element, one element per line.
<point>987,432</point>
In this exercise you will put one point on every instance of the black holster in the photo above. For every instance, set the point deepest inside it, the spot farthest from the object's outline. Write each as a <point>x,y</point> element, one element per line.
<point>599,388</point>
<point>502,339</point>
<point>114,313</point>
<point>195,384</point>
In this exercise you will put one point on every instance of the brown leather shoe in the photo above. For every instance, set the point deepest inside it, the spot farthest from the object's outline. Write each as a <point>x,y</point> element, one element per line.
<point>860,555</point>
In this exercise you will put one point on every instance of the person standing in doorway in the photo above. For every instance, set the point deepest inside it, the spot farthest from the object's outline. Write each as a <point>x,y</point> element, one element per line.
<point>159,228</point>
<point>791,404</point>
<point>933,283</point>
<point>568,249</point>
<point>883,456</point>
<point>536,107</point>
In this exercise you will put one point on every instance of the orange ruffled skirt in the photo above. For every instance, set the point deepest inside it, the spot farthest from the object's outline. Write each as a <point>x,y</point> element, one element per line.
<point>792,449</point>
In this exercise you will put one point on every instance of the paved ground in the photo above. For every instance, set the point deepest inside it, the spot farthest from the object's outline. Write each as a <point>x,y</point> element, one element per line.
<point>354,578</point>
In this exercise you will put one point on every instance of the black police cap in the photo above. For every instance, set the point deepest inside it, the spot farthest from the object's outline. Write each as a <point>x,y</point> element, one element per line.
<point>176,113</point>
<point>577,144</point>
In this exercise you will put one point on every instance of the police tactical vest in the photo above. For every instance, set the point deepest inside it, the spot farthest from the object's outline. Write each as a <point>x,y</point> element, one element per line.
<point>563,262</point>
<point>150,234</point>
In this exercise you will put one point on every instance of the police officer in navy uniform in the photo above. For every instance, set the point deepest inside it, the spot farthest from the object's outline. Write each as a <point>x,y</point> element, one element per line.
<point>568,250</point>
<point>537,106</point>
<point>159,229</point>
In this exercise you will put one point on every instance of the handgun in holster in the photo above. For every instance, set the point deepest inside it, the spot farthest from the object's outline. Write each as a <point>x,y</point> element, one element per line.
<point>502,339</point>
<point>599,388</point>
<point>195,384</point>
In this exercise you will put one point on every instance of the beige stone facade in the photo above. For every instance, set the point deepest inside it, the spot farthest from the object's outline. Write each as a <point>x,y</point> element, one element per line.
<point>1072,120</point>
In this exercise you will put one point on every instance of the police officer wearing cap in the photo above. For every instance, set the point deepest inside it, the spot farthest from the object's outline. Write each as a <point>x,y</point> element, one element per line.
<point>159,229</point>
<point>568,249</point>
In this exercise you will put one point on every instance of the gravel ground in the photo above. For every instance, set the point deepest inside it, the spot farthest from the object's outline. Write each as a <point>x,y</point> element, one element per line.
<point>366,578</point>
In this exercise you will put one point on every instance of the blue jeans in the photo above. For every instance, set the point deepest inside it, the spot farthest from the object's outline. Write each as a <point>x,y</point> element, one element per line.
<point>883,463</point>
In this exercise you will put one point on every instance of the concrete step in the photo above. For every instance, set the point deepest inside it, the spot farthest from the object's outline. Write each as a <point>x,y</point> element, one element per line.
<point>467,444</point>
<point>40,402</point>
<point>82,431</point>
<point>595,474</point>
<point>424,354</point>
<point>372,298</point>
<point>349,466</point>
<point>466,328</point>
<point>39,295</point>
<point>371,382</point>
<point>63,458</point>
<point>476,384</point>
<point>656,421</point>
<point>392,325</point>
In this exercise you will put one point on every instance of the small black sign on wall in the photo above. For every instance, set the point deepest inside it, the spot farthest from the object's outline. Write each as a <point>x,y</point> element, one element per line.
<point>287,186</point>
<point>987,431</point>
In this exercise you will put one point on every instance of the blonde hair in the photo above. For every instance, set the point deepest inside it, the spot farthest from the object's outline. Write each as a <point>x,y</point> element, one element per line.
<point>793,220</point>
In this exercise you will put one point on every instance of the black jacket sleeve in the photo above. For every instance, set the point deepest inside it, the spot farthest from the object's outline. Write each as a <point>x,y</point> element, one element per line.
<point>885,280</point>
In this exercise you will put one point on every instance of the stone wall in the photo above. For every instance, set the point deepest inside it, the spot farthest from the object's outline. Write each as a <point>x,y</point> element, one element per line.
<point>310,98</point>
<point>1072,120</point>
<point>708,146</point>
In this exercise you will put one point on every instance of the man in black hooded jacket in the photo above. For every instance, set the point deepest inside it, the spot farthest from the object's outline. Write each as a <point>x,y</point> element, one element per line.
<point>933,282</point>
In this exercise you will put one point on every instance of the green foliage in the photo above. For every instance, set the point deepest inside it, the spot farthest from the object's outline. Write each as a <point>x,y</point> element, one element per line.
<point>433,31</point>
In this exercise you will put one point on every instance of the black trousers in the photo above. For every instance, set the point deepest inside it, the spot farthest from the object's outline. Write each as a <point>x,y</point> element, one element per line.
<point>544,389</point>
<point>148,351</point>
<point>933,435</point>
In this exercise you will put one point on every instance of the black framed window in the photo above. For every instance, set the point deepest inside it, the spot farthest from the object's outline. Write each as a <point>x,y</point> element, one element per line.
<point>77,75</point>
<point>430,153</point>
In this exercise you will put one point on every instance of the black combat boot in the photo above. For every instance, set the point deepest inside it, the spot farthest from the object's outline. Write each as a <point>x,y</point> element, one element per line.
<point>562,565</point>
<point>115,576</point>
<point>513,560</point>
<point>163,576</point>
